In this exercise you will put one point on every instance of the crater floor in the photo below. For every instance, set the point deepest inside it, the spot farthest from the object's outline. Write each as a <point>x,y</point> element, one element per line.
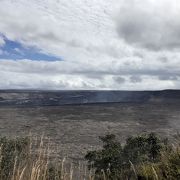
<point>75,129</point>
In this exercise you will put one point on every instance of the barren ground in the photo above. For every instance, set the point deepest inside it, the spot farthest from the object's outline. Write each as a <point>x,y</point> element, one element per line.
<point>74,129</point>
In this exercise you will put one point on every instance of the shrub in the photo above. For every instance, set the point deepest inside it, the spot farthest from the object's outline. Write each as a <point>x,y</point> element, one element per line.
<point>169,166</point>
<point>109,158</point>
<point>11,151</point>
<point>118,161</point>
<point>144,148</point>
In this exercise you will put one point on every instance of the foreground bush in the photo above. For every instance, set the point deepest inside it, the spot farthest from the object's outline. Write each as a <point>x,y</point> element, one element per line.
<point>141,157</point>
<point>167,168</point>
<point>12,151</point>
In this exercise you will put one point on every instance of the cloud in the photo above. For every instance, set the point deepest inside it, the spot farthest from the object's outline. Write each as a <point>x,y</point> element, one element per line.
<point>150,24</point>
<point>119,79</point>
<point>166,77</point>
<point>2,42</point>
<point>54,26</point>
<point>69,75</point>
<point>135,79</point>
<point>94,55</point>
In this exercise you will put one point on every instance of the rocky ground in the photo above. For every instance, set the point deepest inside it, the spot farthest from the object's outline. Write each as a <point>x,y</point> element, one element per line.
<point>74,129</point>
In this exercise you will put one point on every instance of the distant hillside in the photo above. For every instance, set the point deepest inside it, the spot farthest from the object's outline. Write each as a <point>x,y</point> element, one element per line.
<point>55,98</point>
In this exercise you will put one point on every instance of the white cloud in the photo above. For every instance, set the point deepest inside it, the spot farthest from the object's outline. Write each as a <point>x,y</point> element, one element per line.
<point>84,33</point>
<point>68,75</point>
<point>151,24</point>
<point>55,25</point>
<point>2,42</point>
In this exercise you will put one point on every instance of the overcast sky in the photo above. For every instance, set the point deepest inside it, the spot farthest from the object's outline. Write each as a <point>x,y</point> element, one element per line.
<point>90,44</point>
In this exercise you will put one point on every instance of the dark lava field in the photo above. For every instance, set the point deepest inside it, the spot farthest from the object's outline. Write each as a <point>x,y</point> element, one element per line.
<point>74,129</point>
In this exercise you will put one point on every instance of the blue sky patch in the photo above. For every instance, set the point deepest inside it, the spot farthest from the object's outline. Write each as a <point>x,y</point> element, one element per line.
<point>16,51</point>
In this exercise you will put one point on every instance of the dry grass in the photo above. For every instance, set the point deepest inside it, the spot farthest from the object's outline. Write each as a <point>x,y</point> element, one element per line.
<point>39,165</point>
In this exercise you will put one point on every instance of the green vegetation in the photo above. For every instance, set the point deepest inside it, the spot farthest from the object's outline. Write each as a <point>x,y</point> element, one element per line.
<point>143,157</point>
<point>13,151</point>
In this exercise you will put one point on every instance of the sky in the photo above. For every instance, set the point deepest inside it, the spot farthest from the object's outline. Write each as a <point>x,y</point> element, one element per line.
<point>90,44</point>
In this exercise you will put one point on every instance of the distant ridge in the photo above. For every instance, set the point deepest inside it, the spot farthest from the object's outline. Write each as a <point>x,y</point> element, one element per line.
<point>56,98</point>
